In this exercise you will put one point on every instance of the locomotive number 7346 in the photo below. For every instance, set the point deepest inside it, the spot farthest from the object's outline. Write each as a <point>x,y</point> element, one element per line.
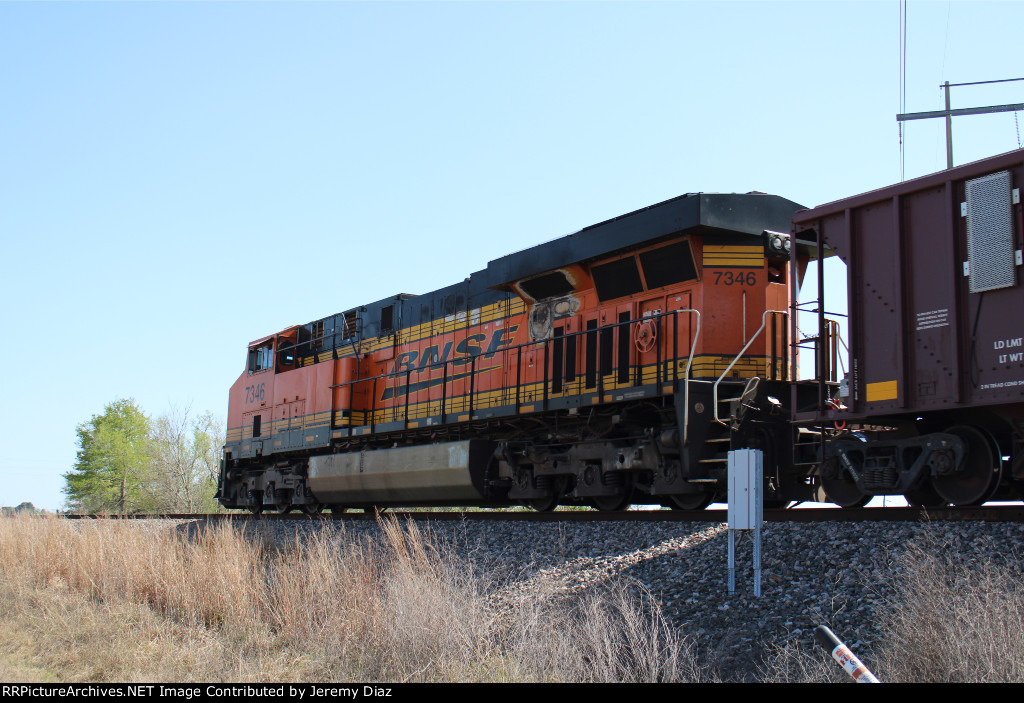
<point>254,393</point>
<point>736,278</point>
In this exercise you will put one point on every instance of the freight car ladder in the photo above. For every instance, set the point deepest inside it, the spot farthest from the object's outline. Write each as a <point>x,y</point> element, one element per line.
<point>826,348</point>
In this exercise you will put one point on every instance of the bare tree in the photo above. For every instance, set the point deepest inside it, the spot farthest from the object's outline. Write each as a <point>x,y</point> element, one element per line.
<point>186,460</point>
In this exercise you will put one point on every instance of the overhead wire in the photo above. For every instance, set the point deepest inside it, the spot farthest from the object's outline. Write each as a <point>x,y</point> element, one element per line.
<point>903,82</point>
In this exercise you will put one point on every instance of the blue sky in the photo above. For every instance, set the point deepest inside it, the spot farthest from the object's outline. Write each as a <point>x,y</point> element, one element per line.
<point>177,179</point>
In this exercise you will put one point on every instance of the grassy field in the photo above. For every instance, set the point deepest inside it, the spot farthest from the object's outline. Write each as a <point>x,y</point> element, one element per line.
<point>110,601</point>
<point>107,601</point>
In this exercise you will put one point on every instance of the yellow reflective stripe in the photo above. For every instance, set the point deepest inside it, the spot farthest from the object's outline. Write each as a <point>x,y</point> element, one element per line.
<point>883,390</point>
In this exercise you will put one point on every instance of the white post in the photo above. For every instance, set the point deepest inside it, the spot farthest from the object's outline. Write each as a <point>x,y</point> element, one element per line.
<point>746,507</point>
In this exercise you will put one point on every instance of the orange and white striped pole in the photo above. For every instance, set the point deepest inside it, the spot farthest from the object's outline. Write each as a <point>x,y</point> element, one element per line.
<point>842,654</point>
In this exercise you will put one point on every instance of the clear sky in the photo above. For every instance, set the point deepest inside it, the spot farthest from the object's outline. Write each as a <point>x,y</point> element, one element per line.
<point>177,179</point>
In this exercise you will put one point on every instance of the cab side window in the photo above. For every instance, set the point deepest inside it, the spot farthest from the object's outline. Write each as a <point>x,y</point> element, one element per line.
<point>261,358</point>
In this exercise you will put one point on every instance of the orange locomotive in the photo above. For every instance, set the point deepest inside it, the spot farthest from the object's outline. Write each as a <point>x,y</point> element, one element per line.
<point>618,364</point>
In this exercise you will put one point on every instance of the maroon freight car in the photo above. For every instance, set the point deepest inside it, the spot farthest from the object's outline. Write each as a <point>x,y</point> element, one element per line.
<point>933,398</point>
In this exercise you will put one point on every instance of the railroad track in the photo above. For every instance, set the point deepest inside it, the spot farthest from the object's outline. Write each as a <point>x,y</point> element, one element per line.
<point>994,513</point>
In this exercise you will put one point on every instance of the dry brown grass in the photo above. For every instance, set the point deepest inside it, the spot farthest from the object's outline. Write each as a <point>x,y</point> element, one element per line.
<point>119,601</point>
<point>953,619</point>
<point>954,615</point>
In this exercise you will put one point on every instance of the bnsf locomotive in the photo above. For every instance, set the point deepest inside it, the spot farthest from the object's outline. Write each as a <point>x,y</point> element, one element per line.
<point>621,363</point>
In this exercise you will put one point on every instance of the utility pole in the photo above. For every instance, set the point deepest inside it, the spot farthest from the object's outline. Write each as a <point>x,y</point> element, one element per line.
<point>949,130</point>
<point>949,114</point>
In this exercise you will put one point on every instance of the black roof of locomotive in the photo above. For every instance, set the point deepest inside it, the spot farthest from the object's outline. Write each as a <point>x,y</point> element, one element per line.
<point>708,213</point>
<point>723,214</point>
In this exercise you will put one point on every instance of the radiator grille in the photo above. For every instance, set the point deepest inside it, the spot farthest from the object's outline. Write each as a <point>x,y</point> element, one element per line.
<point>990,246</point>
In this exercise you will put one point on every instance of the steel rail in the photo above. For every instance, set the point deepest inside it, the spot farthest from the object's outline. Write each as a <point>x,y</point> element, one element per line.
<point>992,513</point>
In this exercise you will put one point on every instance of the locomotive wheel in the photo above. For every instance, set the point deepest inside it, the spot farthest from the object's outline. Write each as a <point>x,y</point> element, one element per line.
<point>549,502</point>
<point>338,509</point>
<point>313,509</point>
<point>612,503</point>
<point>617,501</point>
<point>256,508</point>
<point>543,505</point>
<point>690,501</point>
<point>982,469</point>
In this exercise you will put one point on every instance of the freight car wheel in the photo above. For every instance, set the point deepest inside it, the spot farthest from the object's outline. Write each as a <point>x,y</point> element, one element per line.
<point>925,496</point>
<point>979,477</point>
<point>844,492</point>
<point>690,501</point>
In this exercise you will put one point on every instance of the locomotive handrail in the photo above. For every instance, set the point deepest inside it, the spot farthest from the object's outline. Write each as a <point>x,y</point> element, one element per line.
<point>401,410</point>
<point>764,322</point>
<point>686,375</point>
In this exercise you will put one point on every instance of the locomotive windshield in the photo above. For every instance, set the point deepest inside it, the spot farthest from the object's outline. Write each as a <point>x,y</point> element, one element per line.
<point>668,265</point>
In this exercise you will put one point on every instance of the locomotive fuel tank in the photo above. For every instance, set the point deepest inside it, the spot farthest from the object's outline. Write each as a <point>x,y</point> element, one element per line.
<point>447,472</point>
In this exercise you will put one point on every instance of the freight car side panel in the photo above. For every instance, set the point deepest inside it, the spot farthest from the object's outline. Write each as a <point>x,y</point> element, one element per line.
<point>879,299</point>
<point>990,284</point>
<point>922,339</point>
<point>933,325</point>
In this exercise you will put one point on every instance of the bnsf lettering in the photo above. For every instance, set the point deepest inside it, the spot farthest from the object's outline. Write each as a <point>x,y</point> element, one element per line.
<point>469,347</point>
<point>430,357</point>
<point>473,345</point>
<point>404,361</point>
<point>501,338</point>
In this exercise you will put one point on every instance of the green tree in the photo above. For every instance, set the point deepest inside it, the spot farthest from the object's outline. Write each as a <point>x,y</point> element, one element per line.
<point>113,468</point>
<point>25,507</point>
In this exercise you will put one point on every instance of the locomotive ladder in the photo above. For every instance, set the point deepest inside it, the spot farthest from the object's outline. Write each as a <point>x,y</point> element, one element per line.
<point>750,391</point>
